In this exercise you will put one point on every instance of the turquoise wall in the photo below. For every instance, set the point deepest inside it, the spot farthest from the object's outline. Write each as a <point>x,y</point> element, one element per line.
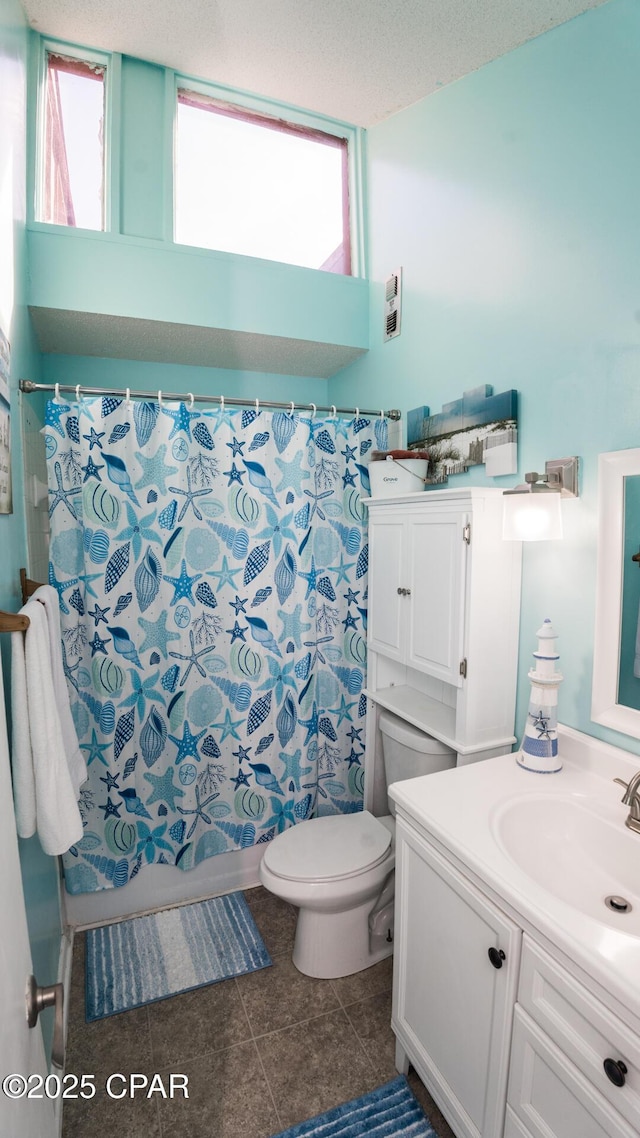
<point>510,198</point>
<point>13,273</point>
<point>143,197</point>
<point>39,872</point>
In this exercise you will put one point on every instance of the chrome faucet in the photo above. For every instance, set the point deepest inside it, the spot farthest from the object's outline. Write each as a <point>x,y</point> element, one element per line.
<point>631,798</point>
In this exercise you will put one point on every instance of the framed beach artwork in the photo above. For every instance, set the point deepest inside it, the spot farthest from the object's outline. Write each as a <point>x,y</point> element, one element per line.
<point>479,428</point>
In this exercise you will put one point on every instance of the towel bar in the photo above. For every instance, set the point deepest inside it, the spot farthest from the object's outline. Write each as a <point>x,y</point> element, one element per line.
<point>27,586</point>
<point>13,622</point>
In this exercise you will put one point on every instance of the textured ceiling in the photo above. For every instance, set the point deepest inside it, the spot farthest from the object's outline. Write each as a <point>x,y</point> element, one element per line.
<point>355,60</point>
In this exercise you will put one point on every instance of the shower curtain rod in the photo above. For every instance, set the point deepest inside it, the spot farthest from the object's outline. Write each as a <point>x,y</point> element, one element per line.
<point>28,386</point>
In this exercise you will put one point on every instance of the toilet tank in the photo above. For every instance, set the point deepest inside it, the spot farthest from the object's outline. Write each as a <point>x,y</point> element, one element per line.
<point>409,752</point>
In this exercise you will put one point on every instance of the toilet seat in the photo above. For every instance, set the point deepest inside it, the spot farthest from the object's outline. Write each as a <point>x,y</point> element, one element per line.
<point>329,848</point>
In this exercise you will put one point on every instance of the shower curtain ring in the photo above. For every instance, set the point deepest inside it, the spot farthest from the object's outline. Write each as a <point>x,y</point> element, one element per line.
<point>127,398</point>
<point>221,397</point>
<point>291,409</point>
<point>190,394</point>
<point>357,412</point>
<point>313,410</point>
<point>257,406</point>
<point>382,414</point>
<point>77,392</point>
<point>56,395</point>
<point>159,398</point>
<point>333,411</point>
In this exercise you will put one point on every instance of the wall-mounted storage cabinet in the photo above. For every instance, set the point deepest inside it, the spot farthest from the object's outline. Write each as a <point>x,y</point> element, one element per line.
<point>444,605</point>
<point>416,592</point>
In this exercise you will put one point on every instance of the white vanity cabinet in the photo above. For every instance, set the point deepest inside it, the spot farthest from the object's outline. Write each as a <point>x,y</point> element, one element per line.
<point>520,1050</point>
<point>443,621</point>
<point>452,1007</point>
<point>564,1042</point>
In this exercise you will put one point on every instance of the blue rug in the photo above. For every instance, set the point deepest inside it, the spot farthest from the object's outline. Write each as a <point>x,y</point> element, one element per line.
<point>388,1112</point>
<point>146,959</point>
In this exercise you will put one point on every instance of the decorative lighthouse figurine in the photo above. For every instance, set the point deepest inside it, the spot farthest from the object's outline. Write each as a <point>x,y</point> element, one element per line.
<point>539,750</point>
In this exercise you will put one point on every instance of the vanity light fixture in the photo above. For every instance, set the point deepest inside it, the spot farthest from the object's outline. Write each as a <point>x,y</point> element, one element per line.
<point>531,511</point>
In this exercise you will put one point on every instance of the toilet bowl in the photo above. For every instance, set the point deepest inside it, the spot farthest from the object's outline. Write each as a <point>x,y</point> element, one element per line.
<point>338,870</point>
<point>332,868</point>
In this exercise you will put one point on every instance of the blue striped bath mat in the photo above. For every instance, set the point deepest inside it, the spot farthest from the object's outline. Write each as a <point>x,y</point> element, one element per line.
<point>390,1111</point>
<point>149,958</point>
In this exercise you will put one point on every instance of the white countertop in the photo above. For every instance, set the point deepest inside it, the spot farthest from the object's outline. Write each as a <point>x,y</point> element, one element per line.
<point>459,808</point>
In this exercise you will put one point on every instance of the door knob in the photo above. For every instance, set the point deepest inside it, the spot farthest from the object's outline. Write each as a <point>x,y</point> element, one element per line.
<point>48,997</point>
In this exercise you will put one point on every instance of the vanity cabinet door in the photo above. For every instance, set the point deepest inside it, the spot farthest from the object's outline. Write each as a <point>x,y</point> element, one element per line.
<point>387,573</point>
<point>452,1007</point>
<point>549,1097</point>
<point>588,1033</point>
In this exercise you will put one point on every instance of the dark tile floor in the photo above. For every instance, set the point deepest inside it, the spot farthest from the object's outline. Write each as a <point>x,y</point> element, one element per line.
<point>262,1051</point>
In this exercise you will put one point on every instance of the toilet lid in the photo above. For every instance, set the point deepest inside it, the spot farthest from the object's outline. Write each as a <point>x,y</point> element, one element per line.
<point>332,846</point>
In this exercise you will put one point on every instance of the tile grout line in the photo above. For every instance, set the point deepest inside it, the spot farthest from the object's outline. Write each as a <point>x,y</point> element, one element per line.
<point>298,1023</point>
<point>253,1036</point>
<point>209,1052</point>
<point>336,994</point>
<point>360,1041</point>
<point>257,1050</point>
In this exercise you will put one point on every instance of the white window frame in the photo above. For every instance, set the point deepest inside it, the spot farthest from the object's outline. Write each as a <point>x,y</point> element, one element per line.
<point>111,165</point>
<point>261,106</point>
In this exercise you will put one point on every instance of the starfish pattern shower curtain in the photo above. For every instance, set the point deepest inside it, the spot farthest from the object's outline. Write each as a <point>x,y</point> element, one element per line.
<point>211,568</point>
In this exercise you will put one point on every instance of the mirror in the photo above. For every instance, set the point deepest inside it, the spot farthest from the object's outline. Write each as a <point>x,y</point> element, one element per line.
<point>616,662</point>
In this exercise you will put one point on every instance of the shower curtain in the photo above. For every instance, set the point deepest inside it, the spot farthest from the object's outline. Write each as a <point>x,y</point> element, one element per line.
<point>211,568</point>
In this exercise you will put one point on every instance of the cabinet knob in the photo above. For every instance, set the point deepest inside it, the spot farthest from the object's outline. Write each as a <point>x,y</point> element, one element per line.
<point>407,592</point>
<point>496,956</point>
<point>615,1070</point>
<point>400,592</point>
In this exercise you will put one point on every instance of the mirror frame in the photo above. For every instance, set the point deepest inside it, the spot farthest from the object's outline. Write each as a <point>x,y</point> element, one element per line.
<point>613,468</point>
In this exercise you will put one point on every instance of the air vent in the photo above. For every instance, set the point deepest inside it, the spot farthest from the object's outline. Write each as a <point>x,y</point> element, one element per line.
<point>392,305</point>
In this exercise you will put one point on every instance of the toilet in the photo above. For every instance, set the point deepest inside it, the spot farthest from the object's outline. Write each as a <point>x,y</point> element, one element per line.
<point>338,870</point>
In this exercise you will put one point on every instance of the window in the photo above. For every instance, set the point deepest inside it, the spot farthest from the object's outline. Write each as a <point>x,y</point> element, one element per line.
<point>248,183</point>
<point>73,159</point>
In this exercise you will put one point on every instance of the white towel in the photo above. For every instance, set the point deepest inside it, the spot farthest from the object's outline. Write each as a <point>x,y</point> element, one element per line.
<point>24,786</point>
<point>44,793</point>
<point>75,759</point>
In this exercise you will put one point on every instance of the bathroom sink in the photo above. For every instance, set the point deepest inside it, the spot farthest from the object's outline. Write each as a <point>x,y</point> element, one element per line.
<point>576,854</point>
